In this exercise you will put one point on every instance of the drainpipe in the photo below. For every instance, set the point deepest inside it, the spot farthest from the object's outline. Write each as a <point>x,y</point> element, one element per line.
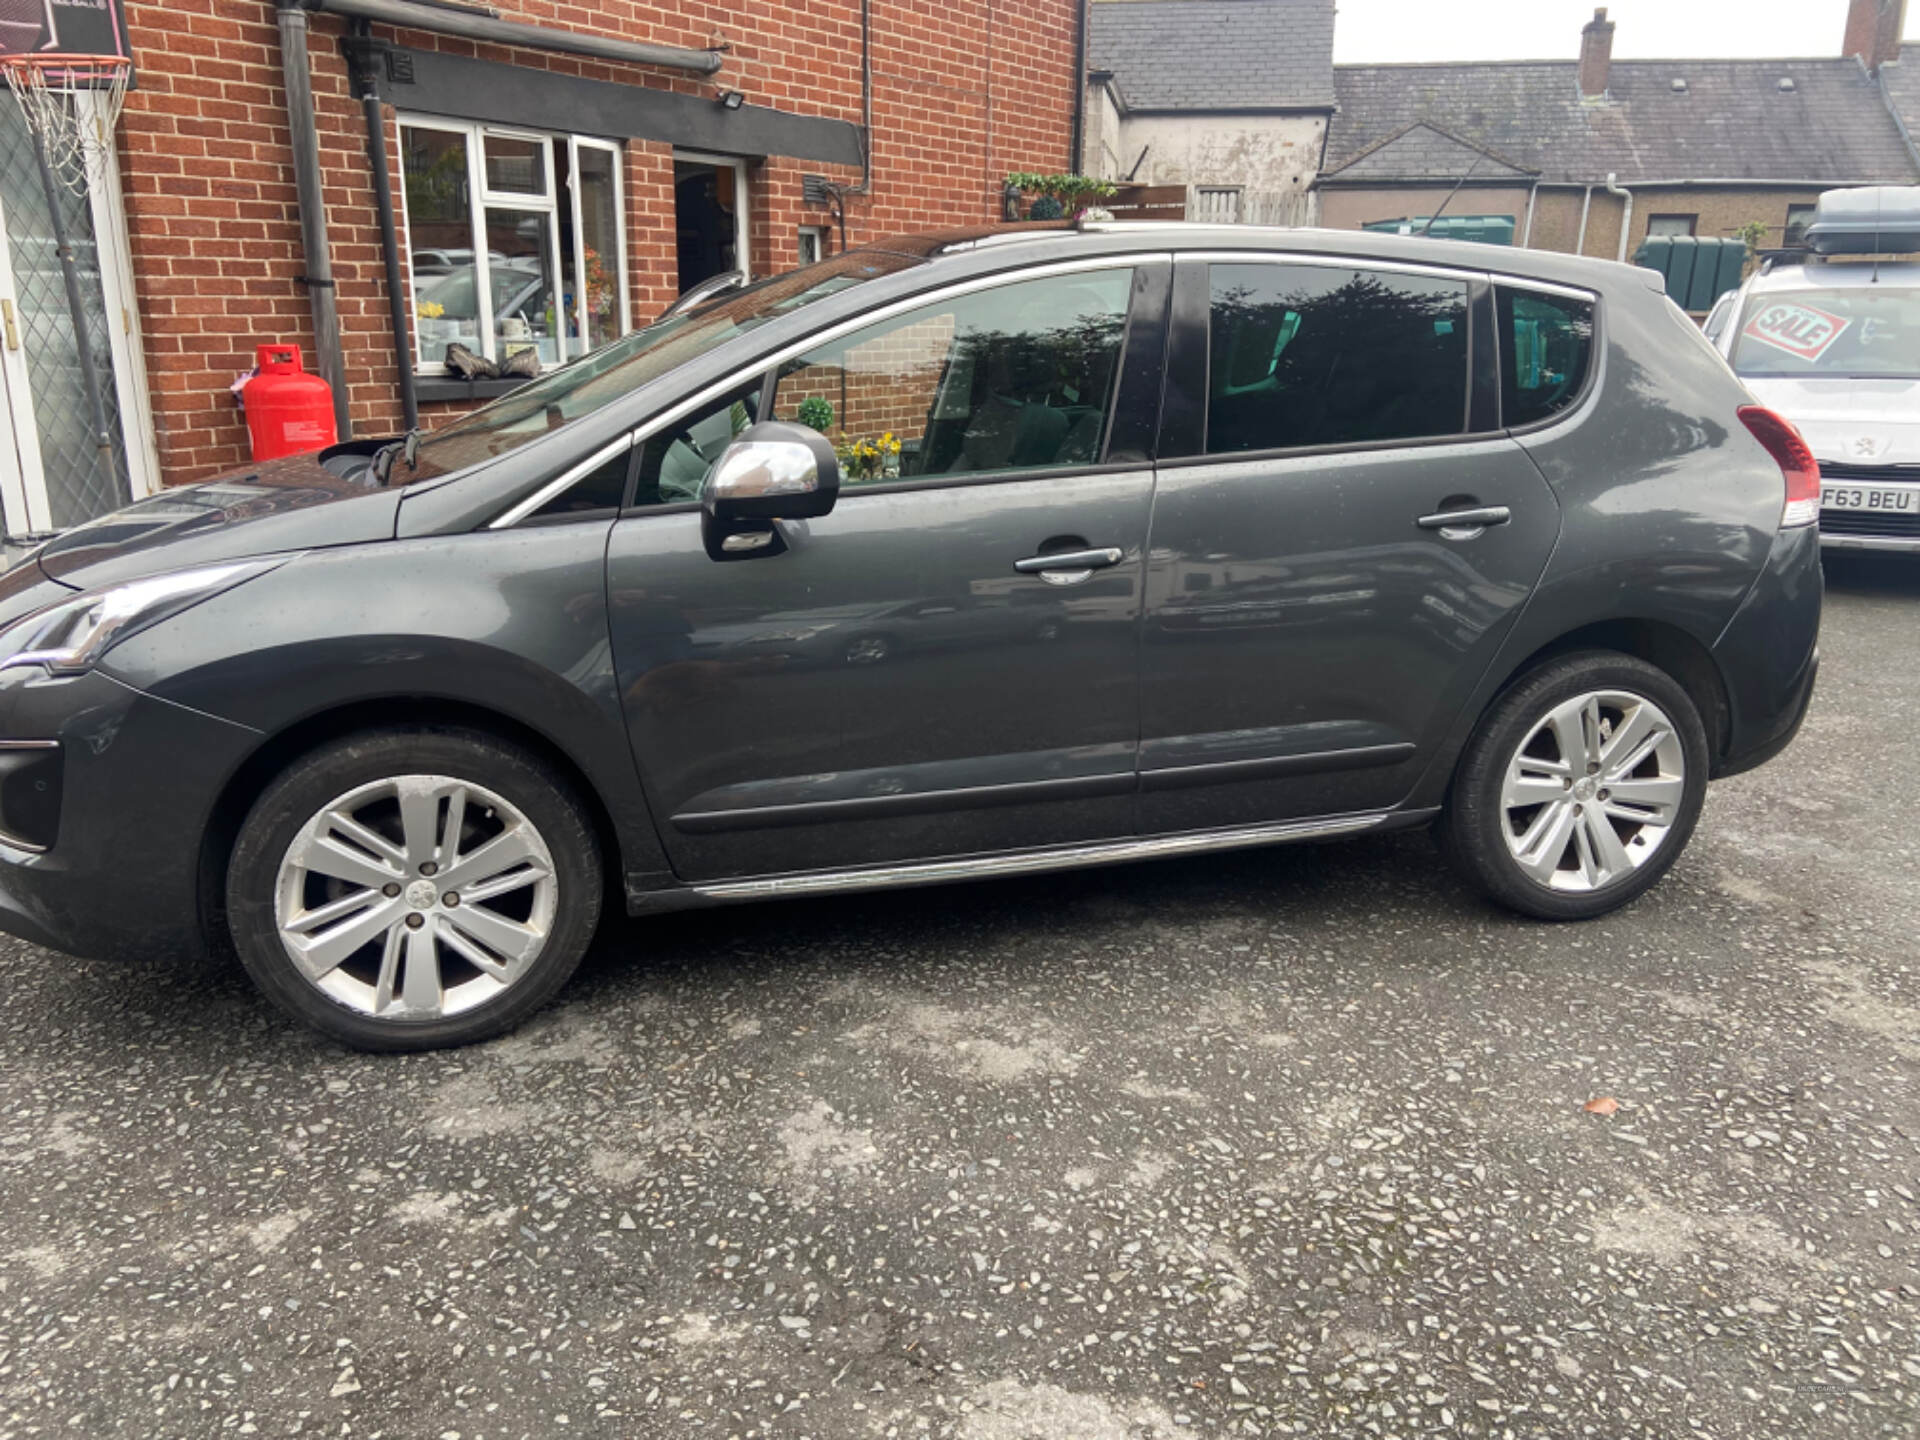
<point>296,67</point>
<point>363,55</point>
<point>1626,216</point>
<point>470,22</point>
<point>1586,204</point>
<point>1075,159</point>
<point>1533,199</point>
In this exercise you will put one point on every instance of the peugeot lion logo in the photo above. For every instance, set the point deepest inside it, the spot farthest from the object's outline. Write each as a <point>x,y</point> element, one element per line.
<point>1866,447</point>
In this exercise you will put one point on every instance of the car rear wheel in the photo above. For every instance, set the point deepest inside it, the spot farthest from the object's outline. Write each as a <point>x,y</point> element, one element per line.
<point>406,890</point>
<point>1580,787</point>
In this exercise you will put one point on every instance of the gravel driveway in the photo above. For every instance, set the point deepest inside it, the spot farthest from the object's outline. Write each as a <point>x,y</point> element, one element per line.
<point>1287,1142</point>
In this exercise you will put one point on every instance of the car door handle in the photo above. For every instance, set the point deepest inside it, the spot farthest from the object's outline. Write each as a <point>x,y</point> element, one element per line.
<point>1070,560</point>
<point>1467,520</point>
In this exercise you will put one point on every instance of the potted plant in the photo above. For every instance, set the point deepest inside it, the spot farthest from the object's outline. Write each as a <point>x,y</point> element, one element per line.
<point>1055,196</point>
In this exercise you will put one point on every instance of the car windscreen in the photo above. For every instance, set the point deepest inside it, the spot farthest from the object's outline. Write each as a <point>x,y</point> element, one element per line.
<point>618,369</point>
<point>1855,332</point>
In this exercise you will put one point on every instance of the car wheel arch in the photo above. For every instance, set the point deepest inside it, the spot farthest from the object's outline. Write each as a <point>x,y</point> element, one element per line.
<point>282,748</point>
<point>1662,645</point>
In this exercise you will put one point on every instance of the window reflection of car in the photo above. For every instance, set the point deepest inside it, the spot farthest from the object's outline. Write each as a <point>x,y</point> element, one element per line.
<point>518,286</point>
<point>439,262</point>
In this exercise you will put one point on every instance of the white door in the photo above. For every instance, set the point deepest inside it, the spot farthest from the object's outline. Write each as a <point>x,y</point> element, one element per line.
<point>54,472</point>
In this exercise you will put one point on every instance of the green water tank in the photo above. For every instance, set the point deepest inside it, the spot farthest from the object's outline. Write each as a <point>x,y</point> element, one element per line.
<point>1699,269</point>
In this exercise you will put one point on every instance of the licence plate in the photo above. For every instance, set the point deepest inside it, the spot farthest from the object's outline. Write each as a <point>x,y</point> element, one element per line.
<point>1868,497</point>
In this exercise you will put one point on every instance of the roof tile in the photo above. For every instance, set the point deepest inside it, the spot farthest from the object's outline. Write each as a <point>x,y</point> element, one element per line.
<point>1216,54</point>
<point>1733,122</point>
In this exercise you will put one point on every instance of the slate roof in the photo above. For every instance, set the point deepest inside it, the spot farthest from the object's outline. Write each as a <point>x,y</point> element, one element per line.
<point>1732,122</point>
<point>1425,149</point>
<point>1215,55</point>
<point>1902,82</point>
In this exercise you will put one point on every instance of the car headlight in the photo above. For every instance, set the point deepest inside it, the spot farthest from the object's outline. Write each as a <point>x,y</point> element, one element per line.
<point>70,636</point>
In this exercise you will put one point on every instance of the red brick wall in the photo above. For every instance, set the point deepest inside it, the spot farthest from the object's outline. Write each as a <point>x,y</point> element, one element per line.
<point>964,92</point>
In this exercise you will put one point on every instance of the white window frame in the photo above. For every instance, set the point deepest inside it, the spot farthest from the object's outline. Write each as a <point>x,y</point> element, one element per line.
<point>481,199</point>
<point>575,145</point>
<point>742,234</point>
<point>815,233</point>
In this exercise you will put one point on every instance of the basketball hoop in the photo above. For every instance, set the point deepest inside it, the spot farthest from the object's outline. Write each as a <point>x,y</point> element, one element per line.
<point>76,138</point>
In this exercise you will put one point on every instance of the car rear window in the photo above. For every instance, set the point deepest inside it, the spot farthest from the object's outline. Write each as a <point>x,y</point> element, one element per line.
<point>1857,332</point>
<point>1546,347</point>
<point>1304,355</point>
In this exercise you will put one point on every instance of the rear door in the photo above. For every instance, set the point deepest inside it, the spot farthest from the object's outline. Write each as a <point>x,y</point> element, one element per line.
<point>1341,536</point>
<point>917,675</point>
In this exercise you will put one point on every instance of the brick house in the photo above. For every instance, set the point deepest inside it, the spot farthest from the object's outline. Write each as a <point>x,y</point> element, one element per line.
<point>1592,155</point>
<point>558,171</point>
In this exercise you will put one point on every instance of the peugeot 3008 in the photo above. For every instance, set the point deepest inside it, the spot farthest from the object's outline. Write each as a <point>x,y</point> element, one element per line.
<point>953,557</point>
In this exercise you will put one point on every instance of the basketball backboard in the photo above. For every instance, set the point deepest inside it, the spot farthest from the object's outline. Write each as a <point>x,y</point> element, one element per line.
<point>83,27</point>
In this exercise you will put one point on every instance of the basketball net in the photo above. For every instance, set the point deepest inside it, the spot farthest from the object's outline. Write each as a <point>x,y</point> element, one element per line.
<point>77,138</point>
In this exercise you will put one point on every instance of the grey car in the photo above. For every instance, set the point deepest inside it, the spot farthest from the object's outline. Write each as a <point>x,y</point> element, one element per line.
<point>953,557</point>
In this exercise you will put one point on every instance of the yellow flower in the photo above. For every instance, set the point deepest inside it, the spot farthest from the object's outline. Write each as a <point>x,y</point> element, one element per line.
<point>431,310</point>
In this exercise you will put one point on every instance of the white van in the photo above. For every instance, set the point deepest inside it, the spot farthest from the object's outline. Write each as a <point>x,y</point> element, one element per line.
<point>1832,342</point>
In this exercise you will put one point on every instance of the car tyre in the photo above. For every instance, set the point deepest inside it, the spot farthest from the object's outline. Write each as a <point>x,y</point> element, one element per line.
<point>335,851</point>
<point>1579,788</point>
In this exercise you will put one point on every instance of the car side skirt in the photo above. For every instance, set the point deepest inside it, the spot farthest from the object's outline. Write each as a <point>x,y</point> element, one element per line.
<point>1001,864</point>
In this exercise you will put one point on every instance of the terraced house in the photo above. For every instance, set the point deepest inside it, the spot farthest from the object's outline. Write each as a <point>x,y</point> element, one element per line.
<point>1594,155</point>
<point>379,180</point>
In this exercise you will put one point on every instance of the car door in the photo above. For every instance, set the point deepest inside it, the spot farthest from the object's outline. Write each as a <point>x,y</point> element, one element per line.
<point>914,675</point>
<point>1341,535</point>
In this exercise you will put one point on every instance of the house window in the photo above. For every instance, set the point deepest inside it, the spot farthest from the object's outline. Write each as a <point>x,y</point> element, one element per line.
<point>1217,204</point>
<point>1798,218</point>
<point>517,241</point>
<point>1670,225</point>
<point>813,244</point>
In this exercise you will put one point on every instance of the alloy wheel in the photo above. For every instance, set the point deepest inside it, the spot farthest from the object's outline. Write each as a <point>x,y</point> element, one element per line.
<point>1592,793</point>
<point>416,897</point>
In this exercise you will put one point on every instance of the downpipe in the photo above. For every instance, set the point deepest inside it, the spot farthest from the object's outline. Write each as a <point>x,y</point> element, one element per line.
<point>1626,217</point>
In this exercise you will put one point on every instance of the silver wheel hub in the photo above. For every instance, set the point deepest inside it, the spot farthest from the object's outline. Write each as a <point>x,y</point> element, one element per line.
<point>416,897</point>
<point>1591,794</point>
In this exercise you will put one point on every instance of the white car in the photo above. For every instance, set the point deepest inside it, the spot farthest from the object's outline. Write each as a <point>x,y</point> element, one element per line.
<point>1832,342</point>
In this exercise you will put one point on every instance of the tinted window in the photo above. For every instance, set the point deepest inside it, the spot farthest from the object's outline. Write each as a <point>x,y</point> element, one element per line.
<point>1019,377</point>
<point>603,489</point>
<point>1546,345</point>
<point>676,460</point>
<point>1318,355</point>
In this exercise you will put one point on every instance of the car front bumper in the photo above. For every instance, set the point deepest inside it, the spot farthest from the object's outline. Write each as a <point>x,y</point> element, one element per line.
<point>136,782</point>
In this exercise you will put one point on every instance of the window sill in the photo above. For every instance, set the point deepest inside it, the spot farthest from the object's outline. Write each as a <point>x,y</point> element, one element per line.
<point>438,389</point>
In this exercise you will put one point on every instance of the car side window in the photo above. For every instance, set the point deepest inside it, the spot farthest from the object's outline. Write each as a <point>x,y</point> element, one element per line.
<point>1304,355</point>
<point>675,460</point>
<point>1017,377</point>
<point>600,490</point>
<point>1546,345</point>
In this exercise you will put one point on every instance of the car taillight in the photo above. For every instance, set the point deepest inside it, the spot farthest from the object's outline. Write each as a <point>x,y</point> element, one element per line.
<point>1791,453</point>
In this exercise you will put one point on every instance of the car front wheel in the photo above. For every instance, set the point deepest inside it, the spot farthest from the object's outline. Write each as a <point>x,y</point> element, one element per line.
<point>411,889</point>
<point>1580,787</point>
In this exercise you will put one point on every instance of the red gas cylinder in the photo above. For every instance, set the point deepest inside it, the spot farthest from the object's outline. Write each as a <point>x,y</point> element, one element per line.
<point>289,412</point>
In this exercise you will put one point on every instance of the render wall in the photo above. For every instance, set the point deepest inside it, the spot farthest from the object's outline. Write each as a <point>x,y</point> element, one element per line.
<point>1272,158</point>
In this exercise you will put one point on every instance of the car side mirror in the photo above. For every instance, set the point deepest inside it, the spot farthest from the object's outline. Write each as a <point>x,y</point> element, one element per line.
<point>772,471</point>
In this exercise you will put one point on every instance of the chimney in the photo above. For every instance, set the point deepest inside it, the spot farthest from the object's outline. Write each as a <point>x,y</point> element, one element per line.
<point>1596,51</point>
<point>1873,31</point>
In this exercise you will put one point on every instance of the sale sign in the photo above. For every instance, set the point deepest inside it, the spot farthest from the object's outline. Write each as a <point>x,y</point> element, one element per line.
<point>1802,330</point>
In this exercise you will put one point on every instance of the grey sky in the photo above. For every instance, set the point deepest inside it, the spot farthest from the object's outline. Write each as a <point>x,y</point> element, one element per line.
<point>1408,30</point>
